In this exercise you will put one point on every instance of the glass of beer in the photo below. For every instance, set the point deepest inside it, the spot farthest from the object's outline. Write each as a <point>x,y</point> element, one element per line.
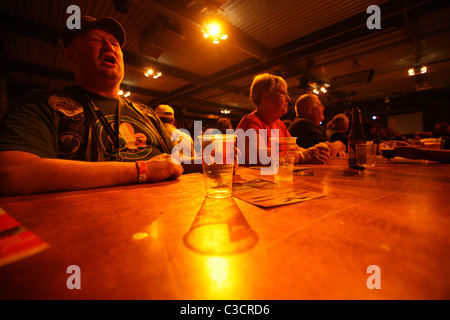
<point>284,161</point>
<point>366,156</point>
<point>218,152</point>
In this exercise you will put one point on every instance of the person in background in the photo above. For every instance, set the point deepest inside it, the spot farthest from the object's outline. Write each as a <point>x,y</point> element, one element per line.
<point>85,136</point>
<point>179,138</point>
<point>270,97</point>
<point>223,124</point>
<point>442,130</point>
<point>338,129</point>
<point>306,126</point>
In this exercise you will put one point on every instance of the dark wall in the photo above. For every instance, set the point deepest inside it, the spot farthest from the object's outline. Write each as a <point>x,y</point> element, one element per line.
<point>435,106</point>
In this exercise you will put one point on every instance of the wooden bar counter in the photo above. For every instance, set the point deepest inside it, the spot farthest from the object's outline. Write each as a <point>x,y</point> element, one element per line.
<point>132,242</point>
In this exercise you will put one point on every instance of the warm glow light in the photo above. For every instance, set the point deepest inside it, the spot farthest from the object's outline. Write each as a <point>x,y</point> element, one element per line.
<point>323,89</point>
<point>316,91</point>
<point>153,73</point>
<point>121,93</point>
<point>415,70</point>
<point>218,269</point>
<point>213,30</point>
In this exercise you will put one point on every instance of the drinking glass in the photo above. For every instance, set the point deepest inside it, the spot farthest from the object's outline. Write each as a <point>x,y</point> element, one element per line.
<point>284,161</point>
<point>388,150</point>
<point>366,155</point>
<point>218,164</point>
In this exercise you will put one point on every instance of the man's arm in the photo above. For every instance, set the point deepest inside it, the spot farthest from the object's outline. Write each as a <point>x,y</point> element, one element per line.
<point>337,148</point>
<point>25,173</point>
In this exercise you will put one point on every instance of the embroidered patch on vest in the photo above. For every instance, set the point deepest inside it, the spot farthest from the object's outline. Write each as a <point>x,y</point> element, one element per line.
<point>69,142</point>
<point>67,106</point>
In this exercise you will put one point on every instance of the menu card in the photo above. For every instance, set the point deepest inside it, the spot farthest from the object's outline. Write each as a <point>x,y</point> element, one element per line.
<point>269,194</point>
<point>16,241</point>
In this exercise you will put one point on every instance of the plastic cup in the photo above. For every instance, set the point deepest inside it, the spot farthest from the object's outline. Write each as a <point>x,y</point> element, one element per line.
<point>284,159</point>
<point>218,164</point>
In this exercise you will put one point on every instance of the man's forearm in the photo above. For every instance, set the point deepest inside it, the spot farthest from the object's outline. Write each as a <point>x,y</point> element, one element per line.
<point>24,173</point>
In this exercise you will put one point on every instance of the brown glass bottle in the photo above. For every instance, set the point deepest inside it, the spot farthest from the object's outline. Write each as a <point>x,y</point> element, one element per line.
<point>355,136</point>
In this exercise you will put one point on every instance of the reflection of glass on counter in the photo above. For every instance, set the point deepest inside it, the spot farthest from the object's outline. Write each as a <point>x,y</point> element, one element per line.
<point>220,228</point>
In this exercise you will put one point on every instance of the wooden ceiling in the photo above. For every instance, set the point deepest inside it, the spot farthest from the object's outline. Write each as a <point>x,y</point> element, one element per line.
<point>325,42</point>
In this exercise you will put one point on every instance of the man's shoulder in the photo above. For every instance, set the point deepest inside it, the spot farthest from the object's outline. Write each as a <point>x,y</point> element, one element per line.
<point>301,122</point>
<point>36,95</point>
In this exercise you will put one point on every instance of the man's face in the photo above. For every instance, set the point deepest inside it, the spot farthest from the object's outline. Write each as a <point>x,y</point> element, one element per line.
<point>316,111</point>
<point>97,56</point>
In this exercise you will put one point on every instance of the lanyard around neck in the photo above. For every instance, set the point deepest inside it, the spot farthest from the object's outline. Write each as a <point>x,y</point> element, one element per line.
<point>113,133</point>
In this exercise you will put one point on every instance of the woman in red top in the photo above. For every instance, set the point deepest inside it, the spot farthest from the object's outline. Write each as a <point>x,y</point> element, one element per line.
<point>269,94</point>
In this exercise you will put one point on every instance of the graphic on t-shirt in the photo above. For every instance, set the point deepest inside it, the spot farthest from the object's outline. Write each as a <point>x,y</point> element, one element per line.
<point>135,140</point>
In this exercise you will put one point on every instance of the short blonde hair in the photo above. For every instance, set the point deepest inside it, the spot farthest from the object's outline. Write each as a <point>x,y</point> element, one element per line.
<point>263,83</point>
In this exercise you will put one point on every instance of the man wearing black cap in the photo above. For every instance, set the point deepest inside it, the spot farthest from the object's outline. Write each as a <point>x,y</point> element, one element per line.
<point>85,136</point>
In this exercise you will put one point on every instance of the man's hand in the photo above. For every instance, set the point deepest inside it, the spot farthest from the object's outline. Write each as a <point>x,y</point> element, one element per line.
<point>320,153</point>
<point>162,167</point>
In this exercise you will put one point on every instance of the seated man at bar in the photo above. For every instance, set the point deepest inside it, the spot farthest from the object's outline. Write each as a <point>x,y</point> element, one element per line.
<point>270,97</point>
<point>179,137</point>
<point>85,136</point>
<point>306,127</point>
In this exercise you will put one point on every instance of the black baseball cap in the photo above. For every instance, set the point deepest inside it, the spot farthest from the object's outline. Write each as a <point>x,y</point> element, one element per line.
<point>88,23</point>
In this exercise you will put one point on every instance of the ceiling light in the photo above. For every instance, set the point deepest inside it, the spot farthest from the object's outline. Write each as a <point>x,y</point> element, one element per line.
<point>213,31</point>
<point>323,89</point>
<point>153,73</point>
<point>121,93</point>
<point>417,69</point>
<point>225,111</point>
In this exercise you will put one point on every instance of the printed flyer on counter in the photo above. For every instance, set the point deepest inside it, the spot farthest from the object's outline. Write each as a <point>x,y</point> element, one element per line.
<point>16,241</point>
<point>269,194</point>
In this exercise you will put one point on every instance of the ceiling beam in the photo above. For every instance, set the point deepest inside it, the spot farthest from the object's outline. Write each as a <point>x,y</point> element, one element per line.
<point>350,29</point>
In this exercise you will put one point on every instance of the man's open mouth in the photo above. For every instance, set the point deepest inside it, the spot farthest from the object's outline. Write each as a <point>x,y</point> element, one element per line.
<point>109,59</point>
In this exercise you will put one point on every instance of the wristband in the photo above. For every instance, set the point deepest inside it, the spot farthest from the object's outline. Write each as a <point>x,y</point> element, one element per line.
<point>142,171</point>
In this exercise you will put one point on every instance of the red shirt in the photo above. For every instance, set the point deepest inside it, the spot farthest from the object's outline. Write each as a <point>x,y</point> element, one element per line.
<point>253,121</point>
<point>253,153</point>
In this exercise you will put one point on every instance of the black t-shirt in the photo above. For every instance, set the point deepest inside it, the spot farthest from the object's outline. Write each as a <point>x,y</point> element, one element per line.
<point>307,133</point>
<point>64,125</point>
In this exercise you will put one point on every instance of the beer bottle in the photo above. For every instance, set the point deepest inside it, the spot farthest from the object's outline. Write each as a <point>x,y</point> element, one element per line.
<point>355,136</point>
